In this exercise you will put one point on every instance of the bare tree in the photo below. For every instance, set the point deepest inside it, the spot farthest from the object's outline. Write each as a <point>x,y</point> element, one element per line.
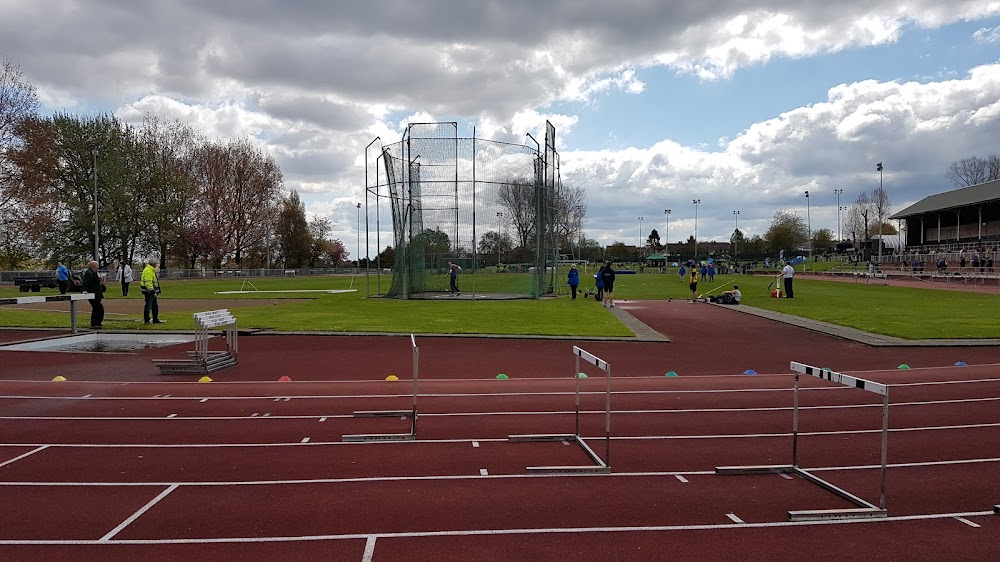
<point>239,186</point>
<point>18,102</point>
<point>570,208</point>
<point>974,170</point>
<point>519,199</point>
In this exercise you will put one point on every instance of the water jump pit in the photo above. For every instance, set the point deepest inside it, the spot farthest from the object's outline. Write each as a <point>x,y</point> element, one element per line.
<point>101,343</point>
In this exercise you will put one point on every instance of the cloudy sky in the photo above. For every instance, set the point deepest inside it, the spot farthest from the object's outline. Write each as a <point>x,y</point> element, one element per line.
<point>742,104</point>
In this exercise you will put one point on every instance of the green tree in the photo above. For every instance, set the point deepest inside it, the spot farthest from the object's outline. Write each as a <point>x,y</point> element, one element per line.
<point>292,230</point>
<point>787,232</point>
<point>822,240</point>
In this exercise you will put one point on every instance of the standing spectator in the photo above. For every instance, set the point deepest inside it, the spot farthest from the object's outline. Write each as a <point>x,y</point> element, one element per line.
<point>989,264</point>
<point>573,278</point>
<point>93,283</point>
<point>150,287</point>
<point>608,274</point>
<point>961,262</point>
<point>126,277</point>
<point>599,284</point>
<point>453,269</point>
<point>787,273</point>
<point>681,272</point>
<point>693,284</point>
<point>711,272</point>
<point>62,277</point>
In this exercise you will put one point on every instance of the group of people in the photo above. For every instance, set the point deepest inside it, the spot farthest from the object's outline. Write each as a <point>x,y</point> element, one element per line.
<point>604,284</point>
<point>95,283</point>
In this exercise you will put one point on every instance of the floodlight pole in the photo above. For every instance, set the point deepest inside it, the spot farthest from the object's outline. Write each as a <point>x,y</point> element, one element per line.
<point>809,226</point>
<point>696,202</point>
<point>666,244</point>
<point>639,246</point>
<point>881,204</point>
<point>736,248</point>
<point>499,237</point>
<point>97,233</point>
<point>839,208</point>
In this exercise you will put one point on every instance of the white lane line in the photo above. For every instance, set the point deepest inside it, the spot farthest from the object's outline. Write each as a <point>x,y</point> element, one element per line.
<point>967,522</point>
<point>19,457</point>
<point>734,518</point>
<point>166,396</point>
<point>785,476</point>
<point>289,399</point>
<point>277,399</point>
<point>681,478</point>
<point>369,554</point>
<point>475,443</point>
<point>565,442</point>
<point>500,532</point>
<point>483,472</point>
<point>203,400</point>
<point>266,414</point>
<point>322,419</point>
<point>137,514</point>
<point>87,395</point>
<point>305,440</point>
<point>172,416</point>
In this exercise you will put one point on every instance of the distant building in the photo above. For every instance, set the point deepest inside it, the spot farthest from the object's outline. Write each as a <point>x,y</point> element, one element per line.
<point>964,218</point>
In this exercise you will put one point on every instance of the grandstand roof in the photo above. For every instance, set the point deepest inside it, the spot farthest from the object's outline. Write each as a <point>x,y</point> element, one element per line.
<point>962,197</point>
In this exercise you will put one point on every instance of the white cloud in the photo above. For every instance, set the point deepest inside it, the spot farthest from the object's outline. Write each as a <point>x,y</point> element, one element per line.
<point>987,35</point>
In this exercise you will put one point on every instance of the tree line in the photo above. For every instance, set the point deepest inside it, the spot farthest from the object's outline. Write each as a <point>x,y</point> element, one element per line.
<point>73,186</point>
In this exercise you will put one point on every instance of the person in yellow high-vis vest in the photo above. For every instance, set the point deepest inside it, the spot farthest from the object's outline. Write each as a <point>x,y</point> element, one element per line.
<point>150,287</point>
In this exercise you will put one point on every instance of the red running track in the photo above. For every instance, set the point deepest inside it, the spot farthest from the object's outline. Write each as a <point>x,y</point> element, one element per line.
<point>429,500</point>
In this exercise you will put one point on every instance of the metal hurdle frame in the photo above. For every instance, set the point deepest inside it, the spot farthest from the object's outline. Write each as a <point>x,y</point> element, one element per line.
<point>71,297</point>
<point>600,466</point>
<point>411,413</point>
<point>865,509</point>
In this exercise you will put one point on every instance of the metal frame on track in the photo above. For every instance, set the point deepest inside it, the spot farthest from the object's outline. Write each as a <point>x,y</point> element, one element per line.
<point>600,466</point>
<point>864,508</point>
<point>411,413</point>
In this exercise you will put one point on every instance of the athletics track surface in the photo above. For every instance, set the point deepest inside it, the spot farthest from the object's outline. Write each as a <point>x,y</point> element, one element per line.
<point>119,463</point>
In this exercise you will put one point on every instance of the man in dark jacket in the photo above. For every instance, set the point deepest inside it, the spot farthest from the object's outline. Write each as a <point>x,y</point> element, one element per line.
<point>93,283</point>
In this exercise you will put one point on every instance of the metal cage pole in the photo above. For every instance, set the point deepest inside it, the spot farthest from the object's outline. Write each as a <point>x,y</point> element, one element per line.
<point>475,245</point>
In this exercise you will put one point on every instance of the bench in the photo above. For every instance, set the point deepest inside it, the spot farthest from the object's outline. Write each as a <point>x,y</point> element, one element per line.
<point>72,298</point>
<point>202,361</point>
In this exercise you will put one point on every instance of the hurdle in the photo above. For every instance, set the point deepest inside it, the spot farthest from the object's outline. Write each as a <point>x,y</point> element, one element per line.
<point>202,360</point>
<point>864,508</point>
<point>71,297</point>
<point>600,466</point>
<point>411,413</point>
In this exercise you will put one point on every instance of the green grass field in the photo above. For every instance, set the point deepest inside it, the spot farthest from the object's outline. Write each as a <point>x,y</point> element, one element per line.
<point>895,311</point>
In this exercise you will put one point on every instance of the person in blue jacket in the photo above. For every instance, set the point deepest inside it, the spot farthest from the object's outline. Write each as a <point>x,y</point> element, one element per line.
<point>573,279</point>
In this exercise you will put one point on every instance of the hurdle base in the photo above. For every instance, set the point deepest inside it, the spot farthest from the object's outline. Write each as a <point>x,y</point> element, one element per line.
<point>384,414</point>
<point>599,466</point>
<point>833,514</point>
<point>382,437</point>
<point>738,470</point>
<point>864,509</point>
<point>378,437</point>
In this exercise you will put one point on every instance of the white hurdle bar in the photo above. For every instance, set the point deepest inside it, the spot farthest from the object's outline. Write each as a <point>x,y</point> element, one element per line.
<point>600,466</point>
<point>71,297</point>
<point>865,509</point>
<point>412,413</point>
